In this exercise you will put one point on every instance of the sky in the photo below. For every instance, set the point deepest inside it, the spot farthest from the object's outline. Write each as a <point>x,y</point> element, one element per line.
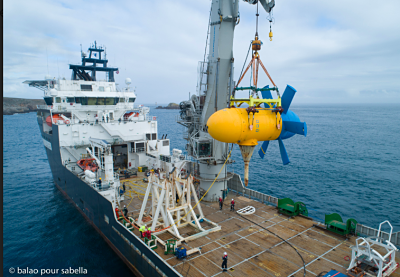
<point>329,51</point>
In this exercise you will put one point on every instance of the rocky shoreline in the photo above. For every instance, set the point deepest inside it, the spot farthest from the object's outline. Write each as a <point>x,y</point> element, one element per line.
<point>20,105</point>
<point>172,106</point>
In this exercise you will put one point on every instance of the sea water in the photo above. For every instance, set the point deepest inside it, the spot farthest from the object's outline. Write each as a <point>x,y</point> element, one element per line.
<point>349,163</point>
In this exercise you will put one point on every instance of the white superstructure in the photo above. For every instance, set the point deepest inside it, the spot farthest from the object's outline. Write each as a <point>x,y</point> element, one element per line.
<point>101,133</point>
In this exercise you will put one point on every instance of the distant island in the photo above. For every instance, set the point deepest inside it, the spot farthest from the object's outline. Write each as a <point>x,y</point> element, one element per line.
<point>20,105</point>
<point>172,106</point>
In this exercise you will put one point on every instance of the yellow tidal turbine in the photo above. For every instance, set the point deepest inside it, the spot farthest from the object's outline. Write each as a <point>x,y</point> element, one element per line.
<point>245,127</point>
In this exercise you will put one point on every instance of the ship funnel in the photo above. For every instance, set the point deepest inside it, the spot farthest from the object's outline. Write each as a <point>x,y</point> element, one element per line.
<point>247,152</point>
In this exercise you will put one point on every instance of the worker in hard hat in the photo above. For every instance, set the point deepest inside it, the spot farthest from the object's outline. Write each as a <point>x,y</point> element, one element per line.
<point>142,229</point>
<point>149,233</point>
<point>99,183</point>
<point>221,202</point>
<point>233,205</point>
<point>125,211</point>
<point>224,261</point>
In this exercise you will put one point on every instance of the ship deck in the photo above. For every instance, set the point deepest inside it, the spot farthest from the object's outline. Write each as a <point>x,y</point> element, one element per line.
<point>251,249</point>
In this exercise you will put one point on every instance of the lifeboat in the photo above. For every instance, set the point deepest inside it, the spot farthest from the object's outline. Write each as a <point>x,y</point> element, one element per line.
<point>87,164</point>
<point>56,117</point>
<point>127,115</point>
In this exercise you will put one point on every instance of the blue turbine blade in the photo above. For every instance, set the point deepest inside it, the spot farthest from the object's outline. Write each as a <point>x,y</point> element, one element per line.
<point>287,98</point>
<point>284,155</point>
<point>263,149</point>
<point>299,128</point>
<point>266,95</point>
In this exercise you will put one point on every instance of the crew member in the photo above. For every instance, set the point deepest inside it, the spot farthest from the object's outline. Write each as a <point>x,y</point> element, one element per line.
<point>123,185</point>
<point>116,212</point>
<point>233,205</point>
<point>125,211</point>
<point>100,183</point>
<point>220,202</point>
<point>149,233</point>
<point>224,262</point>
<point>142,229</point>
<point>97,118</point>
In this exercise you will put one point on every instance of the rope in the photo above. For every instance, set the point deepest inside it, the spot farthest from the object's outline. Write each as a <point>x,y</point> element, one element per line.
<point>304,264</point>
<point>208,188</point>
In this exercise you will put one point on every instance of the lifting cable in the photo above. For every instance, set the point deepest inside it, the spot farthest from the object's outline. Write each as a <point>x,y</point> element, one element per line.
<point>304,264</point>
<point>244,64</point>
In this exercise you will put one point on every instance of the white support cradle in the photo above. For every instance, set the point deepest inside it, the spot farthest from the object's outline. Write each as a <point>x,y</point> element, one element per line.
<point>163,202</point>
<point>364,251</point>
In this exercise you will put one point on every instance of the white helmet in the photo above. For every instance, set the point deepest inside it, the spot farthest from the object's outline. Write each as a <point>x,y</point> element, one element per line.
<point>125,205</point>
<point>225,253</point>
<point>232,199</point>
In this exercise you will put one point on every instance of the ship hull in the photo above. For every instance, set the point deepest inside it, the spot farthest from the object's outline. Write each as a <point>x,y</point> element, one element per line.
<point>97,210</point>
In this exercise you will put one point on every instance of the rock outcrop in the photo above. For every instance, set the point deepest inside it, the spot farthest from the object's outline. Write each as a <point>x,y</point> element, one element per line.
<point>173,106</point>
<point>20,105</point>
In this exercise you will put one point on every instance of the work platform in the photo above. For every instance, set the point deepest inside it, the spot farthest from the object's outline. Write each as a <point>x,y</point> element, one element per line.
<point>252,250</point>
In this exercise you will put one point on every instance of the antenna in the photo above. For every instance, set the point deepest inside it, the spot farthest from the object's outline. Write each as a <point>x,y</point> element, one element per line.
<point>58,69</point>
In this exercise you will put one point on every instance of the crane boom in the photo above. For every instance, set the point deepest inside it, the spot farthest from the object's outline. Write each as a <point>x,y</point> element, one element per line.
<point>219,70</point>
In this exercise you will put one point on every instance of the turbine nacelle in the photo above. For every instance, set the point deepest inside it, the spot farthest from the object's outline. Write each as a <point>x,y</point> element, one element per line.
<point>246,127</point>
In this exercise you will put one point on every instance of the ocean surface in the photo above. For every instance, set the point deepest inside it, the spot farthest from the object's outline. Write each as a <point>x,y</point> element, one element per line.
<point>349,163</point>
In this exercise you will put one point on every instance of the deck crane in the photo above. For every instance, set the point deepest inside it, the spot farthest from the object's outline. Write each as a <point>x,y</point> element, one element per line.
<point>214,88</point>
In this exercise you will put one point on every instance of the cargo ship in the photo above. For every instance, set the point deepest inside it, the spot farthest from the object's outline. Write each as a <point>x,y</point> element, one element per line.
<point>107,158</point>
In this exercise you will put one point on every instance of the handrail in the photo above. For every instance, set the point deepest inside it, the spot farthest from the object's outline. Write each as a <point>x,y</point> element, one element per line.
<point>391,229</point>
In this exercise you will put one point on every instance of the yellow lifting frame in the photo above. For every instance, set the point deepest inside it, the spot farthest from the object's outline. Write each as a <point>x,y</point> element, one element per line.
<point>257,102</point>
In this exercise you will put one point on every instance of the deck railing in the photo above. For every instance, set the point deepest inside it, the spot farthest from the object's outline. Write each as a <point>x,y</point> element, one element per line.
<point>236,185</point>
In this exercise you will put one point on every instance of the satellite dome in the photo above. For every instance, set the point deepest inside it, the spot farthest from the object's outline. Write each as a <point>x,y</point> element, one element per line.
<point>128,81</point>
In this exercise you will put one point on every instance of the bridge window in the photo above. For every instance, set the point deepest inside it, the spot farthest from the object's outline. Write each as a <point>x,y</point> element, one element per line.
<point>58,99</point>
<point>70,99</point>
<point>132,100</point>
<point>110,101</point>
<point>100,101</point>
<point>95,100</point>
<point>48,100</point>
<point>86,87</point>
<point>91,101</point>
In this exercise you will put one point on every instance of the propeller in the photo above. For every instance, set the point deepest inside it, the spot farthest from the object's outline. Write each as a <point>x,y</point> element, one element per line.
<point>291,124</point>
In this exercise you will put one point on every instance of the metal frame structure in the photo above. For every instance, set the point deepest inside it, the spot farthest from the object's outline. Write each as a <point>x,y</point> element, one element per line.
<point>163,202</point>
<point>364,252</point>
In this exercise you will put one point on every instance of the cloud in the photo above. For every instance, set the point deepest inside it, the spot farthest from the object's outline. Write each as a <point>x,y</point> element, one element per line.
<point>329,51</point>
